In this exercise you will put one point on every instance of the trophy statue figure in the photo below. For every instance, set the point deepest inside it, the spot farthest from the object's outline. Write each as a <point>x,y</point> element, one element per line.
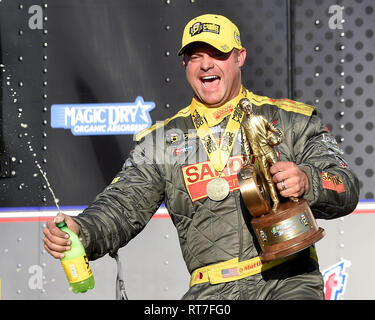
<point>260,136</point>
<point>286,227</point>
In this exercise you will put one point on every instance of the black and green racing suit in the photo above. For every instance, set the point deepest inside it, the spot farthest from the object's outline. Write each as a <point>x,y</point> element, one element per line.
<point>169,164</point>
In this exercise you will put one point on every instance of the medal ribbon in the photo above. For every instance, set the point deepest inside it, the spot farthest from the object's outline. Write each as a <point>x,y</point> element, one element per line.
<point>218,154</point>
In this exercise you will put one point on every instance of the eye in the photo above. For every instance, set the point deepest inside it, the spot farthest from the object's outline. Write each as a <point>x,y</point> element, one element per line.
<point>194,57</point>
<point>221,55</point>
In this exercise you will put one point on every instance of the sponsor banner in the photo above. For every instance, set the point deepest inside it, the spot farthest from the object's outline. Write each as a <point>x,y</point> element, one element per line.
<point>31,214</point>
<point>365,207</point>
<point>40,214</point>
<point>196,176</point>
<point>103,118</point>
<point>335,279</point>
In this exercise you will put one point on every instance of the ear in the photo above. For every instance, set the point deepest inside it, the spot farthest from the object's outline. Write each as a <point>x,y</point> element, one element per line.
<point>241,57</point>
<point>184,60</point>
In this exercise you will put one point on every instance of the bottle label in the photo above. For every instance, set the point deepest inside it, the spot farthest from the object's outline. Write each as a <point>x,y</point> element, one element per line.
<point>77,269</point>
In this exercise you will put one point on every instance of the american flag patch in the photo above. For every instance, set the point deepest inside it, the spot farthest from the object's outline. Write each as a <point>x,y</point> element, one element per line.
<point>231,272</point>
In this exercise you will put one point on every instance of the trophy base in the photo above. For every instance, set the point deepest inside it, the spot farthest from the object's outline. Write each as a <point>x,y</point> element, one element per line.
<point>289,229</point>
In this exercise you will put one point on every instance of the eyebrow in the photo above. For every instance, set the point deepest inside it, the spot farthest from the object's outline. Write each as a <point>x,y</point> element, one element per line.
<point>212,52</point>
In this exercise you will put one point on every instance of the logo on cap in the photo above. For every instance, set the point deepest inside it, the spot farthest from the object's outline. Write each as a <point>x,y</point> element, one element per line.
<point>237,38</point>
<point>200,27</point>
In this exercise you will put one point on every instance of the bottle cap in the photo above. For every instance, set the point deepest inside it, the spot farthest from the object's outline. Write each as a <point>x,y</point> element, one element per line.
<point>61,224</point>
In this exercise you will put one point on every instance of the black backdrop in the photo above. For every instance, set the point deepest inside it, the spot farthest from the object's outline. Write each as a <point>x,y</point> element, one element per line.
<point>92,51</point>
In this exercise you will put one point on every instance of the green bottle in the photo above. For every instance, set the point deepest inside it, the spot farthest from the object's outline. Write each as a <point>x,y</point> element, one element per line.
<point>75,263</point>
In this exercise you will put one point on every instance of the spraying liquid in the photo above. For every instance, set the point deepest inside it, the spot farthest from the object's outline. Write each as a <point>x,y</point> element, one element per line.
<point>75,262</point>
<point>13,95</point>
<point>56,201</point>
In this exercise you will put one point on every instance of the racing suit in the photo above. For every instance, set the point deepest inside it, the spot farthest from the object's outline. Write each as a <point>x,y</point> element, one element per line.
<point>168,164</point>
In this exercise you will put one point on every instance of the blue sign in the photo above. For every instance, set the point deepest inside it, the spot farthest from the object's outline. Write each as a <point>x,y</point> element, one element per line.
<point>102,118</point>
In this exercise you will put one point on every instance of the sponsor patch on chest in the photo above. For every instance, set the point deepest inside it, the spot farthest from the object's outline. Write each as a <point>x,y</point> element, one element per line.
<point>197,175</point>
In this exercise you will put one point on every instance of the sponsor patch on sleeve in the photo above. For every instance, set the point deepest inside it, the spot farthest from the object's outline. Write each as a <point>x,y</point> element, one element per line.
<point>331,182</point>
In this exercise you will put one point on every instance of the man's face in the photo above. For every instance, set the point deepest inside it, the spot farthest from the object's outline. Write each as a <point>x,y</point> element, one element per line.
<point>214,76</point>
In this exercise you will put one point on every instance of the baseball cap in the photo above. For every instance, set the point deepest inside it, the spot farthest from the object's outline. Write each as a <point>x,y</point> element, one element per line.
<point>213,29</point>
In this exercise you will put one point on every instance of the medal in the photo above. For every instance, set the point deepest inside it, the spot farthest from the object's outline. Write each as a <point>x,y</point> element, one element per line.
<point>218,189</point>
<point>218,154</point>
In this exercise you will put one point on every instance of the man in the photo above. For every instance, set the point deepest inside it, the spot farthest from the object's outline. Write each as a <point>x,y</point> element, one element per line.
<point>213,228</point>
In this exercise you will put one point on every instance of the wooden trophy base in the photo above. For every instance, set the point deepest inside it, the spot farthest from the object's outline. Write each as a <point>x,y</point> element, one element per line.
<point>289,229</point>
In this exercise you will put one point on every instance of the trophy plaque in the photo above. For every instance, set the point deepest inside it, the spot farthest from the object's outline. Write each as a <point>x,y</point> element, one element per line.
<point>285,227</point>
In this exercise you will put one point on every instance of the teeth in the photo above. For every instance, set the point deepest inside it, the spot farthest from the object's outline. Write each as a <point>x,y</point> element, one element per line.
<point>210,77</point>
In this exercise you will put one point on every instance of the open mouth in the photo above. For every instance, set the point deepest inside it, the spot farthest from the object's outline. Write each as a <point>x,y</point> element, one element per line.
<point>209,81</point>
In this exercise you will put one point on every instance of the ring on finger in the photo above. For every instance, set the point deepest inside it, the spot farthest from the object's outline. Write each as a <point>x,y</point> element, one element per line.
<point>283,185</point>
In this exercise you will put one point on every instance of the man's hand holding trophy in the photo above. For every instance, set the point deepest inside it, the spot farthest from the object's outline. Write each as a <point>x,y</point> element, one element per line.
<point>282,227</point>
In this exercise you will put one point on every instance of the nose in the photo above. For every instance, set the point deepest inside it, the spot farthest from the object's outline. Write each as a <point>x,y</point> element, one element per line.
<point>207,62</point>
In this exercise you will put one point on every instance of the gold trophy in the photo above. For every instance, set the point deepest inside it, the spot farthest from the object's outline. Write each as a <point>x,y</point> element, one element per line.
<point>286,227</point>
